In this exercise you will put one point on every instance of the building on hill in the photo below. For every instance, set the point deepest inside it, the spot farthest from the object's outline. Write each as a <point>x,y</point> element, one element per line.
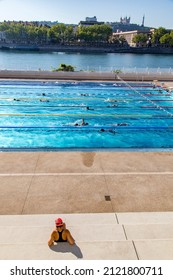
<point>124,25</point>
<point>129,35</point>
<point>125,20</point>
<point>90,21</point>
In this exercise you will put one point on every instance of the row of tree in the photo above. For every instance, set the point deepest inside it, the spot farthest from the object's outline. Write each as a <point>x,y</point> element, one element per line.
<point>67,34</point>
<point>59,33</point>
<point>160,37</point>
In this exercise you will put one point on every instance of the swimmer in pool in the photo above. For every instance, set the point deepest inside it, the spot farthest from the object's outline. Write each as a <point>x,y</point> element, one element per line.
<point>83,123</point>
<point>88,108</point>
<point>107,130</point>
<point>16,99</point>
<point>121,124</point>
<point>44,100</point>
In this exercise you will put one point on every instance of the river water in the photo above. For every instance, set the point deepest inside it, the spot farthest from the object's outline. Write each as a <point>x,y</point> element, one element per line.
<point>33,60</point>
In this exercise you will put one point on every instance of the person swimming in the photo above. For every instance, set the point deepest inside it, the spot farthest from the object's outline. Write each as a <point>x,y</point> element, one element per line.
<point>107,130</point>
<point>88,108</point>
<point>121,124</point>
<point>112,106</point>
<point>44,100</point>
<point>110,100</point>
<point>84,94</point>
<point>82,124</point>
<point>16,99</point>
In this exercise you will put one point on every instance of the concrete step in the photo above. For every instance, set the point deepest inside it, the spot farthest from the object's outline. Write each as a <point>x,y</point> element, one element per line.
<point>49,219</point>
<point>84,233</point>
<point>120,250</point>
<point>88,219</point>
<point>98,236</point>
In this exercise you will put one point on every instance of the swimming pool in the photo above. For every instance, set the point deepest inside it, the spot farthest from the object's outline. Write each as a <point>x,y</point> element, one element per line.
<point>48,115</point>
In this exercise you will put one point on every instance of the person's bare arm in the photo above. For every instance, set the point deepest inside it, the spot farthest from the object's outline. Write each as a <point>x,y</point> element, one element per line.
<point>52,238</point>
<point>70,238</point>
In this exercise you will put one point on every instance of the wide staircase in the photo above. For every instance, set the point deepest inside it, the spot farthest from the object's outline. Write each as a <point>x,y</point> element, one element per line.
<point>121,236</point>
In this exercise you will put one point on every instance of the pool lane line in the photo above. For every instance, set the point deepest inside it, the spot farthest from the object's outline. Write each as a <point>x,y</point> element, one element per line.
<point>41,99</point>
<point>154,107</point>
<point>84,128</point>
<point>144,96</point>
<point>82,115</point>
<point>74,98</point>
<point>123,99</point>
<point>150,94</point>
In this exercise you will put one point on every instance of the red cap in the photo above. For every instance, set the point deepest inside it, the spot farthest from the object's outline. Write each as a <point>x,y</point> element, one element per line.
<point>59,222</point>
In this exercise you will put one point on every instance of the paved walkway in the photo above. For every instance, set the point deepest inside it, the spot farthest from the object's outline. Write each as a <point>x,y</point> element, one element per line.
<point>78,182</point>
<point>84,76</point>
<point>118,205</point>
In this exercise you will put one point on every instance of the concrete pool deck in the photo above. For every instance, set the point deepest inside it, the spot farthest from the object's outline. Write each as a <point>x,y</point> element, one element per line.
<point>86,76</point>
<point>129,192</point>
<point>81,182</point>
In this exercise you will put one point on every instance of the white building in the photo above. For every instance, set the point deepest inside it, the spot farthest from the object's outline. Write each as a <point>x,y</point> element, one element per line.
<point>91,19</point>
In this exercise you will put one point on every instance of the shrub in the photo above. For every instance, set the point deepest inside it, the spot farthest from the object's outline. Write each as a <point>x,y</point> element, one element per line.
<point>65,67</point>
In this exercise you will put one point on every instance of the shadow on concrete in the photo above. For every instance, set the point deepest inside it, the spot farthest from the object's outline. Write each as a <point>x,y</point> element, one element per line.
<point>88,158</point>
<point>66,248</point>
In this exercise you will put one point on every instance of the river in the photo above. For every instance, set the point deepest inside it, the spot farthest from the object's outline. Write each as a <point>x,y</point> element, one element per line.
<point>34,60</point>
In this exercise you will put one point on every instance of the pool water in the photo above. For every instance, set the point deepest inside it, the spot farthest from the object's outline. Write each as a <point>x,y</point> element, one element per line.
<point>48,115</point>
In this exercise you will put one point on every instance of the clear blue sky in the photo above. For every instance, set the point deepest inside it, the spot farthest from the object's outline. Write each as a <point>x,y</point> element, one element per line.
<point>157,12</point>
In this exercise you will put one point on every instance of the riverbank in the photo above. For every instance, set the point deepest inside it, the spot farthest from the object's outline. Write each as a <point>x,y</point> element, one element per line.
<point>85,76</point>
<point>86,49</point>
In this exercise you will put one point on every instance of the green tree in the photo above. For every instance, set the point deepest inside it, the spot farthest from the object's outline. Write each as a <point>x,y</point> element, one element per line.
<point>122,41</point>
<point>140,39</point>
<point>158,33</point>
<point>94,33</point>
<point>57,33</point>
<point>167,39</point>
<point>41,34</point>
<point>69,34</point>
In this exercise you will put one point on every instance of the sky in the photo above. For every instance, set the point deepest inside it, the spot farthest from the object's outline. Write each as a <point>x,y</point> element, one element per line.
<point>157,12</point>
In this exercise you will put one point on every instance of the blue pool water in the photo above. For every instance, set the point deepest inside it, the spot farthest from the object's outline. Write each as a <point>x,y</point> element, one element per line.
<point>44,115</point>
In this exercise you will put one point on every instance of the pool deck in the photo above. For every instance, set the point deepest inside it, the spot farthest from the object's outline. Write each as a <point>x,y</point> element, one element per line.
<point>130,193</point>
<point>86,76</point>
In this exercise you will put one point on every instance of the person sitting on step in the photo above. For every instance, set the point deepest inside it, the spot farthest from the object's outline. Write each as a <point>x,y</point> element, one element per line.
<point>60,234</point>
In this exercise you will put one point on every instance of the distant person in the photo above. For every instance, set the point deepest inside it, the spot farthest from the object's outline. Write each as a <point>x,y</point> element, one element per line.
<point>44,100</point>
<point>88,108</point>
<point>110,100</point>
<point>16,99</point>
<point>60,234</point>
<point>111,106</point>
<point>84,94</point>
<point>121,124</point>
<point>107,130</point>
<point>83,122</point>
